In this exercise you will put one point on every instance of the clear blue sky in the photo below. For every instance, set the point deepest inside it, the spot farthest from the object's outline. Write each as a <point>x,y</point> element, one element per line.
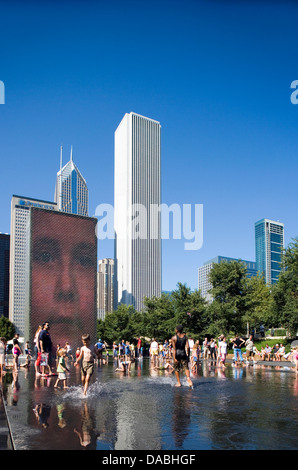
<point>215,74</point>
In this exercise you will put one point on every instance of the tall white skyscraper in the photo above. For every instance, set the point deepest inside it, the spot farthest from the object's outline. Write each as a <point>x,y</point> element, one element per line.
<point>269,239</point>
<point>71,193</point>
<point>136,223</point>
<point>105,287</point>
<point>20,212</point>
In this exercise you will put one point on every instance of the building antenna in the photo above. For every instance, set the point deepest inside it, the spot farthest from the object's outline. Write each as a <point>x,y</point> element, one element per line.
<point>61,157</point>
<point>71,153</point>
<point>60,181</point>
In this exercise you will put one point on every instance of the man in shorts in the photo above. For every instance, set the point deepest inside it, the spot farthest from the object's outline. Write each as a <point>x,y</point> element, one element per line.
<point>100,347</point>
<point>181,352</point>
<point>45,347</point>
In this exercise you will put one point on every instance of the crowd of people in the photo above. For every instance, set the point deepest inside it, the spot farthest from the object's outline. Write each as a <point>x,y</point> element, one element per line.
<point>182,354</point>
<point>178,354</point>
<point>244,352</point>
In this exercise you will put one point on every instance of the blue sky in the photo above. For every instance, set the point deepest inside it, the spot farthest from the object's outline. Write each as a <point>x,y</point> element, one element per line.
<point>215,74</point>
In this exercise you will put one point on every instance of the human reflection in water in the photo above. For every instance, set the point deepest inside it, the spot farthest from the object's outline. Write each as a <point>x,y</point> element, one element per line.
<point>181,419</point>
<point>87,434</point>
<point>42,413</point>
<point>15,388</point>
<point>61,420</point>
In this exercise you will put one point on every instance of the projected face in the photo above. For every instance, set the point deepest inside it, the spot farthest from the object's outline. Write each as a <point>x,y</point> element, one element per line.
<point>63,275</point>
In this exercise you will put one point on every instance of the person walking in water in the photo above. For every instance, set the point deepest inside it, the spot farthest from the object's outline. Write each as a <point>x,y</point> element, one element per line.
<point>61,368</point>
<point>87,354</point>
<point>181,352</point>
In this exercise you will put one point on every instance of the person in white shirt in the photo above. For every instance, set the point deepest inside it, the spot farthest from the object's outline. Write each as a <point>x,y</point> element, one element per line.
<point>222,351</point>
<point>153,351</point>
<point>249,349</point>
<point>191,344</point>
<point>280,353</point>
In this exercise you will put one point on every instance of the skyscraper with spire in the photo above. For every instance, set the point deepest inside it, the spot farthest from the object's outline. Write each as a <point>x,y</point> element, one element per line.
<point>71,193</point>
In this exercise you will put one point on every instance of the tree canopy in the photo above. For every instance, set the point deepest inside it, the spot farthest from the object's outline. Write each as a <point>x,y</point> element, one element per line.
<point>237,302</point>
<point>7,328</point>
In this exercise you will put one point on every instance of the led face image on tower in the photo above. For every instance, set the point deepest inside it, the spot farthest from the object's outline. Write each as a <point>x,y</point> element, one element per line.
<point>62,275</point>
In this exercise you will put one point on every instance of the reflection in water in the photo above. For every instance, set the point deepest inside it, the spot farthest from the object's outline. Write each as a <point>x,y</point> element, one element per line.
<point>15,388</point>
<point>42,412</point>
<point>60,413</point>
<point>181,419</point>
<point>86,433</point>
<point>231,408</point>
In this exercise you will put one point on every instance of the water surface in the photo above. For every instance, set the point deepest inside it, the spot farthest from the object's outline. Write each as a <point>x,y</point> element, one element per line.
<point>250,408</point>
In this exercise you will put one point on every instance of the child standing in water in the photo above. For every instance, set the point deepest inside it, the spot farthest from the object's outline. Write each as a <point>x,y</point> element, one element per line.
<point>61,368</point>
<point>87,354</point>
<point>17,351</point>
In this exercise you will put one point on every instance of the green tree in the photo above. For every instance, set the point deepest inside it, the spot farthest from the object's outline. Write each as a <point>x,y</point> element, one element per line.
<point>117,325</point>
<point>285,291</point>
<point>190,310</point>
<point>227,312</point>
<point>158,317</point>
<point>136,324</point>
<point>258,302</point>
<point>7,329</point>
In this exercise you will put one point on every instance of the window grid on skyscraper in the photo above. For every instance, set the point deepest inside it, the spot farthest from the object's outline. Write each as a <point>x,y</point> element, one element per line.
<point>137,181</point>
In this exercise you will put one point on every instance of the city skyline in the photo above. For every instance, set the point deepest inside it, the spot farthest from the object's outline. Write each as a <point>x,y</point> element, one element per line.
<point>216,75</point>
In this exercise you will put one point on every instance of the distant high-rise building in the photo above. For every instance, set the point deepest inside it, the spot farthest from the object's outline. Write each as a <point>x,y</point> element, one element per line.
<point>4,274</point>
<point>20,211</point>
<point>269,240</point>
<point>137,189</point>
<point>204,285</point>
<point>105,287</point>
<point>71,193</point>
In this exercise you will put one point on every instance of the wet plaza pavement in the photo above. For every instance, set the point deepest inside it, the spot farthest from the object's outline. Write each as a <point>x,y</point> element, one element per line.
<point>238,408</point>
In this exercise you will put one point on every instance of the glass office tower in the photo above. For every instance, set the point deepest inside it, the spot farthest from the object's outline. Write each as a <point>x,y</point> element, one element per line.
<point>269,240</point>
<point>4,274</point>
<point>204,285</point>
<point>71,194</point>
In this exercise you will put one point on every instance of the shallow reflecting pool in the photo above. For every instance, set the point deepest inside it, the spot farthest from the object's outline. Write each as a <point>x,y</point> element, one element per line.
<point>238,408</point>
